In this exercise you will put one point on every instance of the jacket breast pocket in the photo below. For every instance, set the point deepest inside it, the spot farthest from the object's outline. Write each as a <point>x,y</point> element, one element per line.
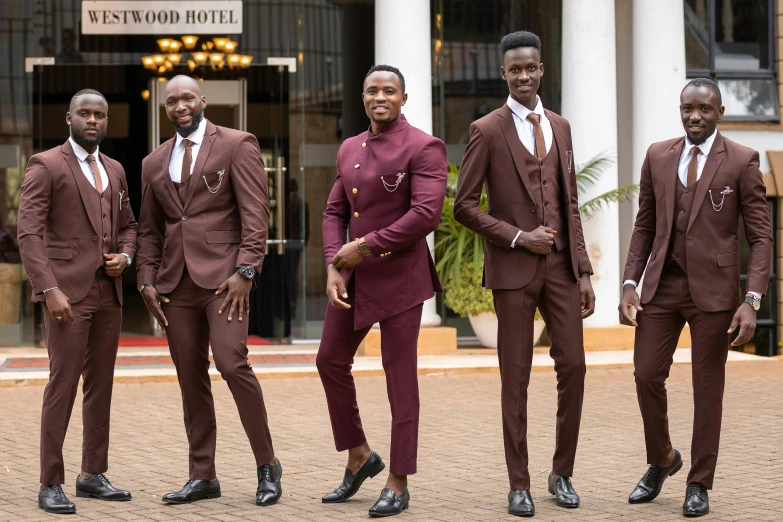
<point>59,253</point>
<point>392,180</point>
<point>721,196</point>
<point>223,236</point>
<point>213,180</point>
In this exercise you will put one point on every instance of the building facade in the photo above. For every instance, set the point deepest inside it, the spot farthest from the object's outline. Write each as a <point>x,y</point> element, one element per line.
<point>290,72</point>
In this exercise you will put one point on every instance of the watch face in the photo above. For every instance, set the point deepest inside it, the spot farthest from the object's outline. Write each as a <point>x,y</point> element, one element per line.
<point>756,304</point>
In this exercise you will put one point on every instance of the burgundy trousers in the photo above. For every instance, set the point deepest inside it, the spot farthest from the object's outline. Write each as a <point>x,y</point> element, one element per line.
<point>85,348</point>
<point>660,325</point>
<point>555,292</point>
<point>194,325</point>
<point>399,341</point>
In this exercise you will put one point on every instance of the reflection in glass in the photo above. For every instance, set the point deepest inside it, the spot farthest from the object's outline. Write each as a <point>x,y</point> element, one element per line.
<point>697,35</point>
<point>750,97</point>
<point>742,35</point>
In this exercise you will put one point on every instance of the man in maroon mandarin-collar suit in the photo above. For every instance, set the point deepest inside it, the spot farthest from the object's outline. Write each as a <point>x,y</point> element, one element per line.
<point>391,181</point>
<point>685,241</point>
<point>534,256</point>
<point>202,238</point>
<point>77,234</point>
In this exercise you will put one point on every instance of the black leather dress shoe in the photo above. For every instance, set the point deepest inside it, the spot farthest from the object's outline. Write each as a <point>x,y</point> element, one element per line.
<point>194,490</point>
<point>269,487</point>
<point>564,493</point>
<point>650,486</point>
<point>389,504</point>
<point>98,486</point>
<point>697,503</point>
<point>52,499</point>
<point>520,503</point>
<point>352,483</point>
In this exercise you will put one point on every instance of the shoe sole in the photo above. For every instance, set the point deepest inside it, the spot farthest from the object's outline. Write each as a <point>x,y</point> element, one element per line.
<point>56,511</point>
<point>381,515</point>
<point>694,515</point>
<point>84,494</point>
<point>653,497</point>
<point>205,497</point>
<point>370,475</point>
<point>527,515</point>
<point>270,502</point>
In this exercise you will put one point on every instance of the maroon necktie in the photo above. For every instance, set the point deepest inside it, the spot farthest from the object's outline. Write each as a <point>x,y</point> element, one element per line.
<point>187,161</point>
<point>95,172</point>
<point>693,166</point>
<point>538,131</point>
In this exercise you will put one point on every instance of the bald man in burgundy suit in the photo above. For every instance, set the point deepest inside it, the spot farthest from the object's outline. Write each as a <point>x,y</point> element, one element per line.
<point>391,181</point>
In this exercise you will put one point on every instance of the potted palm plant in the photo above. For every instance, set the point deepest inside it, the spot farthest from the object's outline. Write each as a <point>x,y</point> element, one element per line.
<point>460,252</point>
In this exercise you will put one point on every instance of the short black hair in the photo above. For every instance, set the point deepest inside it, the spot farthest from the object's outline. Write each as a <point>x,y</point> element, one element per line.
<point>84,92</point>
<point>705,82</point>
<point>387,68</point>
<point>520,39</point>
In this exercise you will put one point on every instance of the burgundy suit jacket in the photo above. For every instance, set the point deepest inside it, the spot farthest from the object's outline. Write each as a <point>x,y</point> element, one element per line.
<point>212,234</point>
<point>712,244</point>
<point>59,220</point>
<point>495,157</point>
<point>393,218</point>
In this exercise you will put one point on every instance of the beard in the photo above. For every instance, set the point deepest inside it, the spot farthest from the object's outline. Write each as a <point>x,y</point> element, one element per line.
<point>698,140</point>
<point>190,129</point>
<point>87,143</point>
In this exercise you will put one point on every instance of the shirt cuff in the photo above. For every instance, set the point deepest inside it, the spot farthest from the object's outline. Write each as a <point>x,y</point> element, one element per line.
<point>52,288</point>
<point>755,294</point>
<point>630,282</point>
<point>513,243</point>
<point>128,258</point>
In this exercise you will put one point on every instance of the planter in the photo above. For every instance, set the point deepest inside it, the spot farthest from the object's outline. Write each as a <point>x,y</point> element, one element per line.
<point>12,277</point>
<point>485,326</point>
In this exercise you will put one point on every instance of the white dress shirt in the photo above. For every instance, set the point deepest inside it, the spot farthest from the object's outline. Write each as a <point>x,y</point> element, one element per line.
<point>525,130</point>
<point>178,153</point>
<point>81,155</point>
<point>682,173</point>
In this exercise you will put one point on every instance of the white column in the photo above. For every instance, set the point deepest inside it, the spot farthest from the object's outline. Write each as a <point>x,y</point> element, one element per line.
<point>402,39</point>
<point>589,103</point>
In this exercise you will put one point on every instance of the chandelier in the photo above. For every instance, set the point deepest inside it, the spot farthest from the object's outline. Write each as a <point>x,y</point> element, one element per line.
<point>216,53</point>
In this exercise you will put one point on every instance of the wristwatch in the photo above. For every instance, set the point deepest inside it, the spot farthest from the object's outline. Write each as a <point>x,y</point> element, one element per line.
<point>141,287</point>
<point>753,301</point>
<point>246,271</point>
<point>363,248</point>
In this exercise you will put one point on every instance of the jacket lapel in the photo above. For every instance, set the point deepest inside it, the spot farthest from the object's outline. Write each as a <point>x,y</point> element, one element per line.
<point>88,193</point>
<point>165,160</point>
<point>671,179</point>
<point>710,169</point>
<point>563,147</point>
<point>201,159</point>
<point>506,120</point>
<point>114,187</point>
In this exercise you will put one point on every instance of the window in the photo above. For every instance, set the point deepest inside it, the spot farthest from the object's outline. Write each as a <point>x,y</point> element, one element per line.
<point>732,42</point>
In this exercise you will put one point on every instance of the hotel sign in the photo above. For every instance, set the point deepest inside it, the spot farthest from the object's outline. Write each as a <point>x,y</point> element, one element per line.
<point>161,17</point>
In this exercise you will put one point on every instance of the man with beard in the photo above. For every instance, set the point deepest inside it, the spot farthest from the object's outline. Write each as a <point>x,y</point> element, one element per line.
<point>534,257</point>
<point>693,191</point>
<point>389,192</point>
<point>202,237</point>
<point>76,235</point>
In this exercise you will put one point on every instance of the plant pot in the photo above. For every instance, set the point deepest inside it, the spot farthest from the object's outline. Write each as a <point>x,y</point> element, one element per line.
<point>485,326</point>
<point>12,277</point>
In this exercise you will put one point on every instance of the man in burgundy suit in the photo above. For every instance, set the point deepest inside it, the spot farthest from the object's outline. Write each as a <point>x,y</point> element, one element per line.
<point>202,237</point>
<point>534,257</point>
<point>391,181</point>
<point>694,189</point>
<point>76,235</point>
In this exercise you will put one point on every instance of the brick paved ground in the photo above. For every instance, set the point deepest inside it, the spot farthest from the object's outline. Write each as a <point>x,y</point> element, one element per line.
<point>462,475</point>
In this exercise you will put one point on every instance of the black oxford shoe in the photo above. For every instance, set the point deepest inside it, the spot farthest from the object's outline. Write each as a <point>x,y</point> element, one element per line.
<point>269,487</point>
<point>194,490</point>
<point>52,499</point>
<point>520,503</point>
<point>697,503</point>
<point>389,504</point>
<point>352,483</point>
<point>98,486</point>
<point>564,493</point>
<point>650,486</point>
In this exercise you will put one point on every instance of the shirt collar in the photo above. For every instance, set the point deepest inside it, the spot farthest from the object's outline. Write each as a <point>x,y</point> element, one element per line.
<point>522,111</point>
<point>196,136</point>
<point>80,152</point>
<point>704,147</point>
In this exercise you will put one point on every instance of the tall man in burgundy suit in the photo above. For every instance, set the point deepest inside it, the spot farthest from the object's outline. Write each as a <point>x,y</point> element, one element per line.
<point>202,238</point>
<point>693,191</point>
<point>534,257</point>
<point>391,181</point>
<point>77,234</point>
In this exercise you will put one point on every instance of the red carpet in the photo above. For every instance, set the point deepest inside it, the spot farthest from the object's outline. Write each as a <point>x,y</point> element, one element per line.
<point>161,342</point>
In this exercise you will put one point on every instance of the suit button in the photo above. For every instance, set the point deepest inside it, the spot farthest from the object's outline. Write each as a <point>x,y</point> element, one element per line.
<point>355,191</point>
<point>685,191</point>
<point>184,218</point>
<point>682,212</point>
<point>104,236</point>
<point>532,209</point>
<point>356,166</point>
<point>544,183</point>
<point>364,145</point>
<point>679,234</point>
<point>104,216</point>
<point>542,163</point>
<point>675,256</point>
<point>95,238</point>
<point>101,196</point>
<point>546,203</point>
<point>355,214</point>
